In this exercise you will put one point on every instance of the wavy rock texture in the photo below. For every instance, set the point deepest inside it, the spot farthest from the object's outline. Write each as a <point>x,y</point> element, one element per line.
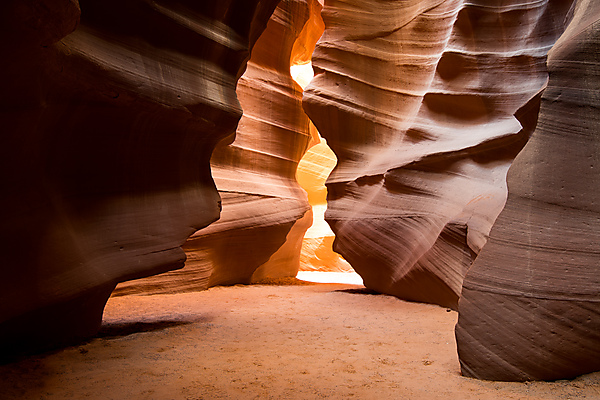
<point>425,104</point>
<point>109,121</point>
<point>530,306</point>
<point>265,212</point>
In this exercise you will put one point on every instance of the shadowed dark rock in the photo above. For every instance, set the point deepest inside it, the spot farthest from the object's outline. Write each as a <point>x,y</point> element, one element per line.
<point>110,111</point>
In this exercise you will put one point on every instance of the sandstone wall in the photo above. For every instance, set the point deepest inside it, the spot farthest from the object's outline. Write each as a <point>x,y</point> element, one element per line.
<point>530,305</point>
<point>110,112</point>
<point>425,104</point>
<point>263,205</point>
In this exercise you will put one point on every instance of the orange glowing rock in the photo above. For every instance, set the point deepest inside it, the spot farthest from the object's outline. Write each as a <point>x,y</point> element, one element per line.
<point>313,170</point>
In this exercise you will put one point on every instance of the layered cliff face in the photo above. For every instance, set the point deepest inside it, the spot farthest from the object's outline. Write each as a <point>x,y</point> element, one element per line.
<point>530,306</point>
<point>110,112</point>
<point>265,212</point>
<point>425,104</point>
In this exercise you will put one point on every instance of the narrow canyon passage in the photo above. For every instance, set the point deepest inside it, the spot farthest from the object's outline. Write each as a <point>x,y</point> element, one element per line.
<point>166,157</point>
<point>313,169</point>
<point>269,342</point>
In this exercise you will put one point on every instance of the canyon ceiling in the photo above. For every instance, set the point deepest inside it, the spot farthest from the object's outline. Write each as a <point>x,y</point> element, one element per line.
<point>140,136</point>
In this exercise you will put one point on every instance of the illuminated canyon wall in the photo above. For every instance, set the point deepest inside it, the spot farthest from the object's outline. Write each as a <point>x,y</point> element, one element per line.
<point>530,305</point>
<point>265,212</point>
<point>317,253</point>
<point>425,105</point>
<point>110,112</point>
<point>313,169</point>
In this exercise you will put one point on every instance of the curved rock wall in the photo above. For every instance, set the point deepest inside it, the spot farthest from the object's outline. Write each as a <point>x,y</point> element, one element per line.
<point>530,306</point>
<point>425,104</point>
<point>263,205</point>
<point>110,112</point>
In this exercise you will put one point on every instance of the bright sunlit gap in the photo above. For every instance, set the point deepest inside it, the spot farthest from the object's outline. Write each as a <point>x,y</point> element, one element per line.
<point>302,74</point>
<point>318,261</point>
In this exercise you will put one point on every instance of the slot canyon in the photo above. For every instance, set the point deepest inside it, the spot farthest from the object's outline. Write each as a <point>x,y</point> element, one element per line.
<point>170,168</point>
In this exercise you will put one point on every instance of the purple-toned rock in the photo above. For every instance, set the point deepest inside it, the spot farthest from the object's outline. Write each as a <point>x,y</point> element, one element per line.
<point>425,104</point>
<point>530,305</point>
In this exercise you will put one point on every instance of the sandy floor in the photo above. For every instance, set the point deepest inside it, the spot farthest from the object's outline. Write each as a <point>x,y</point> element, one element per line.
<point>269,342</point>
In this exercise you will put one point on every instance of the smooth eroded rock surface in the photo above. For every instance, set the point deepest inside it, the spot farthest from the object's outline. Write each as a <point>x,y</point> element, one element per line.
<point>110,111</point>
<point>263,205</point>
<point>425,104</point>
<point>530,306</point>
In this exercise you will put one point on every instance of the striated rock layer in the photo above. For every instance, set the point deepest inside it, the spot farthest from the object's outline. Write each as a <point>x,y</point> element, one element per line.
<point>425,104</point>
<point>110,112</point>
<point>263,205</point>
<point>530,306</point>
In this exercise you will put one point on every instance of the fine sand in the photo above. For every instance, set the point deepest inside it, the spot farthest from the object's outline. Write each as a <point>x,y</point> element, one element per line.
<point>302,341</point>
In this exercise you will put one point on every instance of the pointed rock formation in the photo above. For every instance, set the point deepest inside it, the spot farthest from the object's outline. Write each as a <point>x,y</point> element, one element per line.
<point>109,121</point>
<point>530,306</point>
<point>425,104</point>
